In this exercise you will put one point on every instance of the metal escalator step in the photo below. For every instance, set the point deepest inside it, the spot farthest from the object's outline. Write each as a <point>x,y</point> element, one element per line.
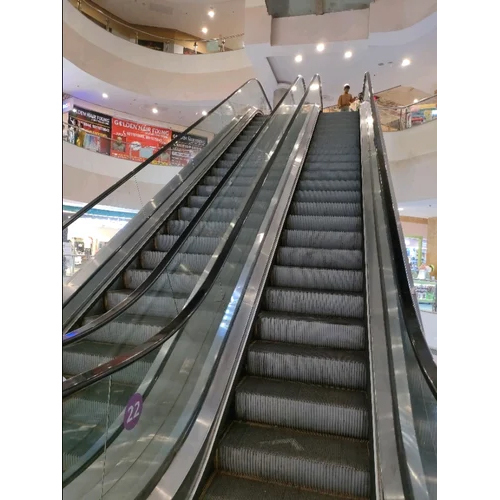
<point>324,223</point>
<point>338,280</point>
<point>328,223</point>
<point>310,364</point>
<point>337,333</point>
<point>327,196</point>
<point>224,202</point>
<point>237,180</point>
<point>236,191</point>
<point>86,355</point>
<point>187,262</point>
<point>308,407</point>
<point>228,487</point>
<point>205,229</point>
<point>343,305</point>
<point>321,462</point>
<point>195,244</point>
<point>211,215</point>
<point>329,185</point>
<point>330,175</point>
<point>344,155</point>
<point>326,209</point>
<point>127,329</point>
<point>331,239</point>
<point>311,257</point>
<point>151,303</point>
<point>178,282</point>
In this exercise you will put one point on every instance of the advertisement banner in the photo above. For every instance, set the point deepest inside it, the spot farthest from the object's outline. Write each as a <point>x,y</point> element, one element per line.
<point>137,142</point>
<point>89,129</point>
<point>186,149</point>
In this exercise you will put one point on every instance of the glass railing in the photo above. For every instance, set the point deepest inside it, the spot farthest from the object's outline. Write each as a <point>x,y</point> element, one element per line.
<point>130,422</point>
<point>396,118</point>
<point>133,192</point>
<point>291,8</point>
<point>162,40</point>
<point>410,373</point>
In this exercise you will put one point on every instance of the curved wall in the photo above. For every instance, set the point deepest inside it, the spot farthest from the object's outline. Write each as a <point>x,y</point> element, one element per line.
<point>149,72</point>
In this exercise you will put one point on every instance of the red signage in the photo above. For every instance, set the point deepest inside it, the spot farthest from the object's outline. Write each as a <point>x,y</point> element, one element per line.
<point>137,142</point>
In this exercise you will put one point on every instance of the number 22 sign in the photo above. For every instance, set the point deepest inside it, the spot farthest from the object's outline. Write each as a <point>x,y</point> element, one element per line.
<point>133,412</point>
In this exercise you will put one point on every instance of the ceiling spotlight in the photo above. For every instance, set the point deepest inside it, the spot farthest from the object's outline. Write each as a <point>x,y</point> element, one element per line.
<point>320,47</point>
<point>104,95</point>
<point>204,30</point>
<point>415,100</point>
<point>211,12</point>
<point>155,110</point>
<point>204,113</point>
<point>348,54</point>
<point>315,86</point>
<point>400,209</point>
<point>298,58</point>
<point>406,62</point>
<point>294,88</point>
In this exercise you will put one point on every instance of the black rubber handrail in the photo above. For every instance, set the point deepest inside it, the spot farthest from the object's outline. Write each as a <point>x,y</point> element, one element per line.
<point>404,278</point>
<point>80,382</point>
<point>113,313</point>
<point>146,162</point>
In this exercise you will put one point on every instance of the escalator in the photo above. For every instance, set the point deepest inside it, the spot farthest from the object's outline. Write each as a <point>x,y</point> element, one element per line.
<point>297,366</point>
<point>150,314</point>
<point>301,411</point>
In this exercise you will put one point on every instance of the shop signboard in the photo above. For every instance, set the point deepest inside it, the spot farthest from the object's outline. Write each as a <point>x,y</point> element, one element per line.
<point>89,129</point>
<point>186,149</point>
<point>137,142</point>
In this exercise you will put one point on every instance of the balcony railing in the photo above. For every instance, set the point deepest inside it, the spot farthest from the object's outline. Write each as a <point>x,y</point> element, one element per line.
<point>154,38</point>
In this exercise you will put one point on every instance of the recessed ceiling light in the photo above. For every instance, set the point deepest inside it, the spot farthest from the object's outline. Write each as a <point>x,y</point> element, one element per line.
<point>320,47</point>
<point>204,113</point>
<point>415,100</point>
<point>400,209</point>
<point>298,58</point>
<point>294,88</point>
<point>204,30</point>
<point>211,12</point>
<point>406,62</point>
<point>104,95</point>
<point>155,110</point>
<point>314,86</point>
<point>239,91</point>
<point>348,54</point>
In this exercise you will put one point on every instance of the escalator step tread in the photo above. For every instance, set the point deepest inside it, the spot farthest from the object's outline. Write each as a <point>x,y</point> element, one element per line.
<point>206,229</point>
<point>128,329</point>
<point>194,262</point>
<point>228,487</point>
<point>196,244</point>
<point>179,281</point>
<point>323,462</point>
<point>305,278</point>
<point>338,333</point>
<point>347,223</point>
<point>315,258</point>
<point>334,239</point>
<point>345,305</point>
<point>309,407</point>
<point>327,196</point>
<point>306,363</point>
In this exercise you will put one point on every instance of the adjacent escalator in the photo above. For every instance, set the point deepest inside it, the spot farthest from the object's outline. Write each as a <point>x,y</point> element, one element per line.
<point>301,417</point>
<point>154,311</point>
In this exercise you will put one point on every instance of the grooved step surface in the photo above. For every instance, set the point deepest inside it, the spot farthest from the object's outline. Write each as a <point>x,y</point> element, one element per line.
<point>325,463</point>
<point>317,279</point>
<point>346,305</point>
<point>302,222</point>
<point>316,365</point>
<point>341,240</point>
<point>311,257</point>
<point>308,407</point>
<point>310,330</point>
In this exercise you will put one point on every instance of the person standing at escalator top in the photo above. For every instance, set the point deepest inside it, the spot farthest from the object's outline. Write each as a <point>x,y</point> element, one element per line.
<point>345,99</point>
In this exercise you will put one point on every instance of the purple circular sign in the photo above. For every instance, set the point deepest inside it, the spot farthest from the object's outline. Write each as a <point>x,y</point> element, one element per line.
<point>133,412</point>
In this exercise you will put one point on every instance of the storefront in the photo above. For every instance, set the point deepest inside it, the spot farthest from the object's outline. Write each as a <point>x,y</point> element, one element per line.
<point>86,236</point>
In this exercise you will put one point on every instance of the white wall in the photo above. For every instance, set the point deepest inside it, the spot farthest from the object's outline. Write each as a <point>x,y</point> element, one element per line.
<point>87,174</point>
<point>412,156</point>
<point>429,320</point>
